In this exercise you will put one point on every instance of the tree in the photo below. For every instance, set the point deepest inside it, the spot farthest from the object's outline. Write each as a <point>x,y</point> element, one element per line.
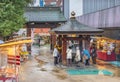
<point>12,16</point>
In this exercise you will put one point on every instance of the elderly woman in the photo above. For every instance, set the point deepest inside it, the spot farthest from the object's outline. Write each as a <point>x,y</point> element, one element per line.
<point>69,56</point>
<point>78,56</point>
<point>55,55</point>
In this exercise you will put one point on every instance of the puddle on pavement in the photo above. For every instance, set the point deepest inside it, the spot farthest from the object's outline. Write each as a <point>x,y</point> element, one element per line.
<point>114,69</point>
<point>61,76</point>
<point>40,62</point>
<point>59,73</point>
<point>115,63</point>
<point>56,70</point>
<point>117,72</point>
<point>43,69</point>
<point>88,72</point>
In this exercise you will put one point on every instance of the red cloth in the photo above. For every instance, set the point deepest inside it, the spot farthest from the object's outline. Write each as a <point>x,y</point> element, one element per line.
<point>105,56</point>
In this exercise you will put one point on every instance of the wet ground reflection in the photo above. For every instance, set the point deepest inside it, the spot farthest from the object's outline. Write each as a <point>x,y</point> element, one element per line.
<point>114,69</point>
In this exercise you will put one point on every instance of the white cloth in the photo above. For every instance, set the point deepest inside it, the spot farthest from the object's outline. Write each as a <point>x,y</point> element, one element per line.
<point>77,57</point>
<point>55,52</point>
<point>69,53</point>
<point>108,52</point>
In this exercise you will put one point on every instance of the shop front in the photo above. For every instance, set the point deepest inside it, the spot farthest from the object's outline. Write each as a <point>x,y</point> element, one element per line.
<point>107,49</point>
<point>10,59</point>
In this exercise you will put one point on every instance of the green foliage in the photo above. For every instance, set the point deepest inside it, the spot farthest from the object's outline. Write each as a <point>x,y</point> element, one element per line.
<point>11,16</point>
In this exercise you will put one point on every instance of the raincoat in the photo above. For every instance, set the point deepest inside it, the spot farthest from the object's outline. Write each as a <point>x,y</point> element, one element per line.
<point>78,56</point>
<point>69,53</point>
<point>86,53</point>
<point>55,52</point>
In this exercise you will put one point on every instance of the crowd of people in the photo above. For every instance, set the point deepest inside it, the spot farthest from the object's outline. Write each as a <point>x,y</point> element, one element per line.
<point>80,56</point>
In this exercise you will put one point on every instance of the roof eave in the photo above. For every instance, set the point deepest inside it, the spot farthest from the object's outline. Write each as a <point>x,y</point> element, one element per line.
<point>78,33</point>
<point>45,21</point>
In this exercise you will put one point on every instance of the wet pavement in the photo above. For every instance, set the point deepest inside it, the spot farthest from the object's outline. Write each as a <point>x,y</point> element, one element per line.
<point>40,68</point>
<point>107,65</point>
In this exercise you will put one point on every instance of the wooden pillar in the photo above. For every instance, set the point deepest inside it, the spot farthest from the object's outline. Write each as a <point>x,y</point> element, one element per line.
<point>53,41</point>
<point>51,47</point>
<point>59,43</point>
<point>60,40</point>
<point>86,42</point>
<point>28,31</point>
<point>83,43</point>
<point>80,43</point>
<point>64,47</point>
